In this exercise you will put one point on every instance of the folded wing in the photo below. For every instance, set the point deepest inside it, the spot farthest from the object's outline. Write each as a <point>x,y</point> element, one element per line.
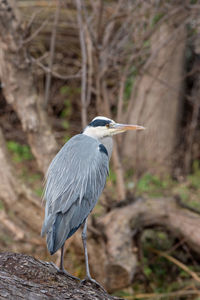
<point>75,180</point>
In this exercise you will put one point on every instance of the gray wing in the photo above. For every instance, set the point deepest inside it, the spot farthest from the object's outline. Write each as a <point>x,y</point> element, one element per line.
<point>75,180</point>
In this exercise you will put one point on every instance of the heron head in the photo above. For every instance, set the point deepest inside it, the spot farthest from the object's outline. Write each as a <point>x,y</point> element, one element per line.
<point>101,127</point>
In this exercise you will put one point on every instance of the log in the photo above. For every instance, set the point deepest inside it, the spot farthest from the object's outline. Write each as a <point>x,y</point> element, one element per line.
<point>113,256</point>
<point>24,277</point>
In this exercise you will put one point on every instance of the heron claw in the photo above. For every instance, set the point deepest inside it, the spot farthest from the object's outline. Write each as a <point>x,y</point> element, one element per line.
<point>64,272</point>
<point>89,279</point>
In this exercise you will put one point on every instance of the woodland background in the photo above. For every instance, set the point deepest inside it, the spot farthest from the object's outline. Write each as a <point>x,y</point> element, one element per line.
<point>64,62</point>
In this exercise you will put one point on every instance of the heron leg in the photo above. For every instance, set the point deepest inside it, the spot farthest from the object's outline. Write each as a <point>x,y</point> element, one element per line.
<point>88,276</point>
<point>84,239</point>
<point>61,269</point>
<point>62,258</point>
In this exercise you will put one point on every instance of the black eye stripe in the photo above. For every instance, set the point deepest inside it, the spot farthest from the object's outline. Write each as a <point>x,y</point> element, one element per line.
<point>99,122</point>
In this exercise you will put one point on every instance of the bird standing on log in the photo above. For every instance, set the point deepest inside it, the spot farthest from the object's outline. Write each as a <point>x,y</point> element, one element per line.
<point>75,179</point>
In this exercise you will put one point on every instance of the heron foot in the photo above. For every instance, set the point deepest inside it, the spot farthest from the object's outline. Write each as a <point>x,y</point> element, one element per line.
<point>93,281</point>
<point>64,272</point>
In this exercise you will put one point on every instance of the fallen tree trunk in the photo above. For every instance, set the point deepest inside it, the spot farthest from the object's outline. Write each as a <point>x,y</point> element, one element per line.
<point>114,255</point>
<point>24,277</point>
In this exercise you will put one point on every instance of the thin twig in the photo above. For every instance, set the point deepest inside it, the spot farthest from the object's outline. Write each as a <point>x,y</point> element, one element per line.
<point>165,295</point>
<point>17,232</point>
<point>121,189</point>
<point>32,19</point>
<point>36,32</point>
<point>121,95</point>
<point>90,66</point>
<point>52,52</point>
<point>84,64</point>
<point>53,73</point>
<point>99,20</point>
<point>89,25</point>
<point>178,263</point>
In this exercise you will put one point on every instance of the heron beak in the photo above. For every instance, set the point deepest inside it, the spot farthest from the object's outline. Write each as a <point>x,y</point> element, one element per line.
<point>124,127</point>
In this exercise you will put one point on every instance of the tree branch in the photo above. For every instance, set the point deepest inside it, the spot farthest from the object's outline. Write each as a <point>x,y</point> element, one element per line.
<point>24,277</point>
<point>52,52</point>
<point>84,65</point>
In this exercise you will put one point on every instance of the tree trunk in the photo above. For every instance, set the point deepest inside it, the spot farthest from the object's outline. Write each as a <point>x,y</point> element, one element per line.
<point>24,277</point>
<point>156,103</point>
<point>16,197</point>
<point>19,88</point>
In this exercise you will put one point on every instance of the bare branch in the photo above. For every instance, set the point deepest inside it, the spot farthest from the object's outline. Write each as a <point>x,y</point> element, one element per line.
<point>84,64</point>
<point>36,32</point>
<point>90,66</point>
<point>178,263</point>
<point>17,232</point>
<point>121,190</point>
<point>53,73</point>
<point>52,52</point>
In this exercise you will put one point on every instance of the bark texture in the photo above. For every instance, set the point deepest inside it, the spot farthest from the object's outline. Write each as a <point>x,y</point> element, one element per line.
<point>24,277</point>
<point>156,103</point>
<point>19,88</point>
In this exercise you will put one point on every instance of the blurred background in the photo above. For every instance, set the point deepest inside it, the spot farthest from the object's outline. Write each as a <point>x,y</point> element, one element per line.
<point>62,63</point>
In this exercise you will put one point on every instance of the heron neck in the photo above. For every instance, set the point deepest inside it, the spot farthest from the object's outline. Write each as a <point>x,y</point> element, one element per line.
<point>106,140</point>
<point>108,143</point>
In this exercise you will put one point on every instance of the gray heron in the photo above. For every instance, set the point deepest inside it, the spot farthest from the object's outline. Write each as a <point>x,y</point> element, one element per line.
<point>75,179</point>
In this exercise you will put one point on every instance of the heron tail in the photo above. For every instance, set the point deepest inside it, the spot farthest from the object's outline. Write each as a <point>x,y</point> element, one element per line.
<point>56,235</point>
<point>60,232</point>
